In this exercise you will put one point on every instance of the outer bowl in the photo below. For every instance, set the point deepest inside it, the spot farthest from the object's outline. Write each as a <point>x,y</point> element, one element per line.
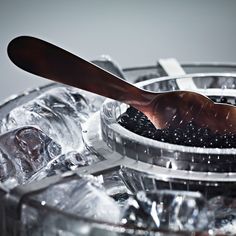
<point>145,156</point>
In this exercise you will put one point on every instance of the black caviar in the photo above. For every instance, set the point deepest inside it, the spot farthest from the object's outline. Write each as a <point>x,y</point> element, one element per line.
<point>191,135</point>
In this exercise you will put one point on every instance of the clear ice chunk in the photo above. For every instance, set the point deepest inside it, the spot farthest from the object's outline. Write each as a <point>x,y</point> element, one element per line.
<point>41,221</point>
<point>58,115</point>
<point>224,209</point>
<point>57,112</point>
<point>24,151</point>
<point>84,196</point>
<point>70,161</point>
<point>116,188</point>
<point>166,209</point>
<point>7,169</point>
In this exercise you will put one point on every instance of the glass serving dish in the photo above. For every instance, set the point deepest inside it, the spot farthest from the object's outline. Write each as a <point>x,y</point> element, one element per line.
<point>215,86</point>
<point>211,166</point>
<point>124,164</point>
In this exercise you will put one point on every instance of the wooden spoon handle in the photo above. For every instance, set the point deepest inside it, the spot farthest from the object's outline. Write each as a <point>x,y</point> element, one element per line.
<point>49,61</point>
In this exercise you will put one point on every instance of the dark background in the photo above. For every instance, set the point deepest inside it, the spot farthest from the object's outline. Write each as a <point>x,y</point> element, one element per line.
<point>133,33</point>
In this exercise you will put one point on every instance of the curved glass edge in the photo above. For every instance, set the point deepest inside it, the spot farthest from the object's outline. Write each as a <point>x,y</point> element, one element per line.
<point>63,222</point>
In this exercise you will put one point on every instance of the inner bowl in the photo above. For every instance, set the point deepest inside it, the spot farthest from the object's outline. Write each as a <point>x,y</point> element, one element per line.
<point>221,87</point>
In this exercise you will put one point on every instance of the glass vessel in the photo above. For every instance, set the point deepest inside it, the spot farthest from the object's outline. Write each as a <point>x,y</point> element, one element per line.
<point>128,162</point>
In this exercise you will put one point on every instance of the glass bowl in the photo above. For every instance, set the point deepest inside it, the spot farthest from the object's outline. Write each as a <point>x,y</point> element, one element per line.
<point>163,153</point>
<point>178,163</point>
<point>145,161</point>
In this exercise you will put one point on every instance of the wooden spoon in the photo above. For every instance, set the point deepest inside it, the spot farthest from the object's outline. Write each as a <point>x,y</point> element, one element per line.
<point>175,108</point>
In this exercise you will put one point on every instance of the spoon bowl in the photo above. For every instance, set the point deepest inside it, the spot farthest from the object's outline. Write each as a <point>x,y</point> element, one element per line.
<point>170,109</point>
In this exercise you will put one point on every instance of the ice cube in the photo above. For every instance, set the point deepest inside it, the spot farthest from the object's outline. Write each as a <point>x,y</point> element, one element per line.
<point>224,209</point>
<point>166,209</point>
<point>43,221</point>
<point>57,112</point>
<point>83,196</point>
<point>115,187</point>
<point>25,151</point>
<point>66,162</point>
<point>7,169</point>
